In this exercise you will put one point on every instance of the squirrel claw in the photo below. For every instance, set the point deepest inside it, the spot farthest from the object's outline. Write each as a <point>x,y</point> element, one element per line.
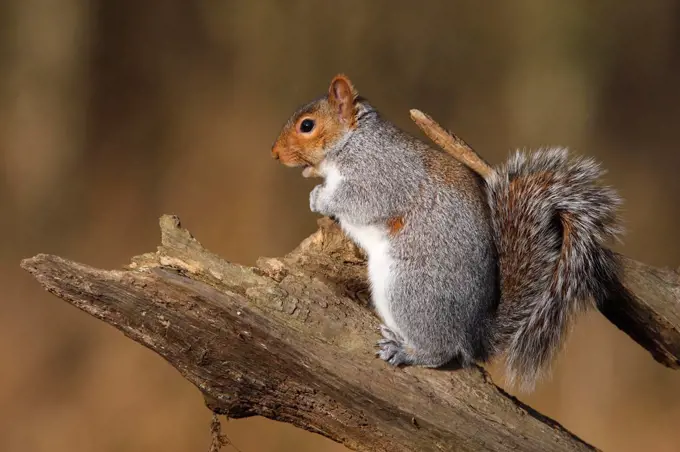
<point>392,353</point>
<point>392,348</point>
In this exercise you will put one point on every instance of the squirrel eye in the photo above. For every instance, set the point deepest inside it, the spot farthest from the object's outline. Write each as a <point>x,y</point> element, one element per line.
<point>307,126</point>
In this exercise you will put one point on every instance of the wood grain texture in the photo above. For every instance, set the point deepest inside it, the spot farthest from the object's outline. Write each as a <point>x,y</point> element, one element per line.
<point>292,339</point>
<point>647,308</point>
<point>451,144</point>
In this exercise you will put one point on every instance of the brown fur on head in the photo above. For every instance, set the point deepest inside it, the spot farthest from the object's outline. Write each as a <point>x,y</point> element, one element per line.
<point>317,127</point>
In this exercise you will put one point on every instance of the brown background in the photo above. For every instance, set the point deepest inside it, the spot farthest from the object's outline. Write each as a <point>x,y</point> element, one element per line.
<point>114,112</point>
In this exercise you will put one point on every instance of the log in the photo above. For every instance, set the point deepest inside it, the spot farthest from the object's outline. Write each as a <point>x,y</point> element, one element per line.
<point>293,339</point>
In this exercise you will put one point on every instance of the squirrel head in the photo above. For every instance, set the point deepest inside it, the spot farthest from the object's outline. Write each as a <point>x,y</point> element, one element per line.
<point>318,127</point>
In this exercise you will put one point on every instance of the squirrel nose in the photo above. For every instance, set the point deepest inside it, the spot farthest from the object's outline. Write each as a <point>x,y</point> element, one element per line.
<point>275,153</point>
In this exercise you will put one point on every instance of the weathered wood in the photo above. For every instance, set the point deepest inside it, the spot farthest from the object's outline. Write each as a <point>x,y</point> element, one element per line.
<point>451,143</point>
<point>293,340</point>
<point>647,308</point>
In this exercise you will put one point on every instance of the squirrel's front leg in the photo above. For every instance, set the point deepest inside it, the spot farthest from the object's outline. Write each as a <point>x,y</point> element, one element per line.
<point>319,200</point>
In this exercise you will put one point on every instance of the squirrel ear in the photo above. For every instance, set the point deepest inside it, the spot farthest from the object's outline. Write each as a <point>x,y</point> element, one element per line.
<point>342,94</point>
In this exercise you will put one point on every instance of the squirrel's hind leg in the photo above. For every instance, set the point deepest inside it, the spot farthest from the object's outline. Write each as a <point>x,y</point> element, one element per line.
<point>395,351</point>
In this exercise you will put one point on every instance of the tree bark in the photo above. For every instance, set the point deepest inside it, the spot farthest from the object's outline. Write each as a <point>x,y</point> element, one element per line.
<point>292,339</point>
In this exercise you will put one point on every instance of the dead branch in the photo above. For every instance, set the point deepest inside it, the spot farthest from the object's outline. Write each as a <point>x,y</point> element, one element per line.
<point>646,307</point>
<point>292,339</point>
<point>451,143</point>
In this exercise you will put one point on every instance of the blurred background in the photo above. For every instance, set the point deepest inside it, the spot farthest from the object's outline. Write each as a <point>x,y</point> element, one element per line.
<point>115,112</point>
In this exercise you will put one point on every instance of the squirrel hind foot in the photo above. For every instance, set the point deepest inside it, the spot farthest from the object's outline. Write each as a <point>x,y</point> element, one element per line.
<point>393,353</point>
<point>394,350</point>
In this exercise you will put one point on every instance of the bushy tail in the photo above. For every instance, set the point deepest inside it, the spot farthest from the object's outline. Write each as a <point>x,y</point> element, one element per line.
<point>551,222</point>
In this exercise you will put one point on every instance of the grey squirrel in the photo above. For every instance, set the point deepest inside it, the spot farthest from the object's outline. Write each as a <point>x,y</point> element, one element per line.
<point>461,268</point>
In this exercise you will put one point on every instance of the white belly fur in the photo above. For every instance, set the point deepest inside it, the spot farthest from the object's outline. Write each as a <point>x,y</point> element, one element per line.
<point>374,241</point>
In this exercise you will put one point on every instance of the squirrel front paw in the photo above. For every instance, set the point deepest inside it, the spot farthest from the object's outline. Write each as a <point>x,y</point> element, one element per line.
<point>315,198</point>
